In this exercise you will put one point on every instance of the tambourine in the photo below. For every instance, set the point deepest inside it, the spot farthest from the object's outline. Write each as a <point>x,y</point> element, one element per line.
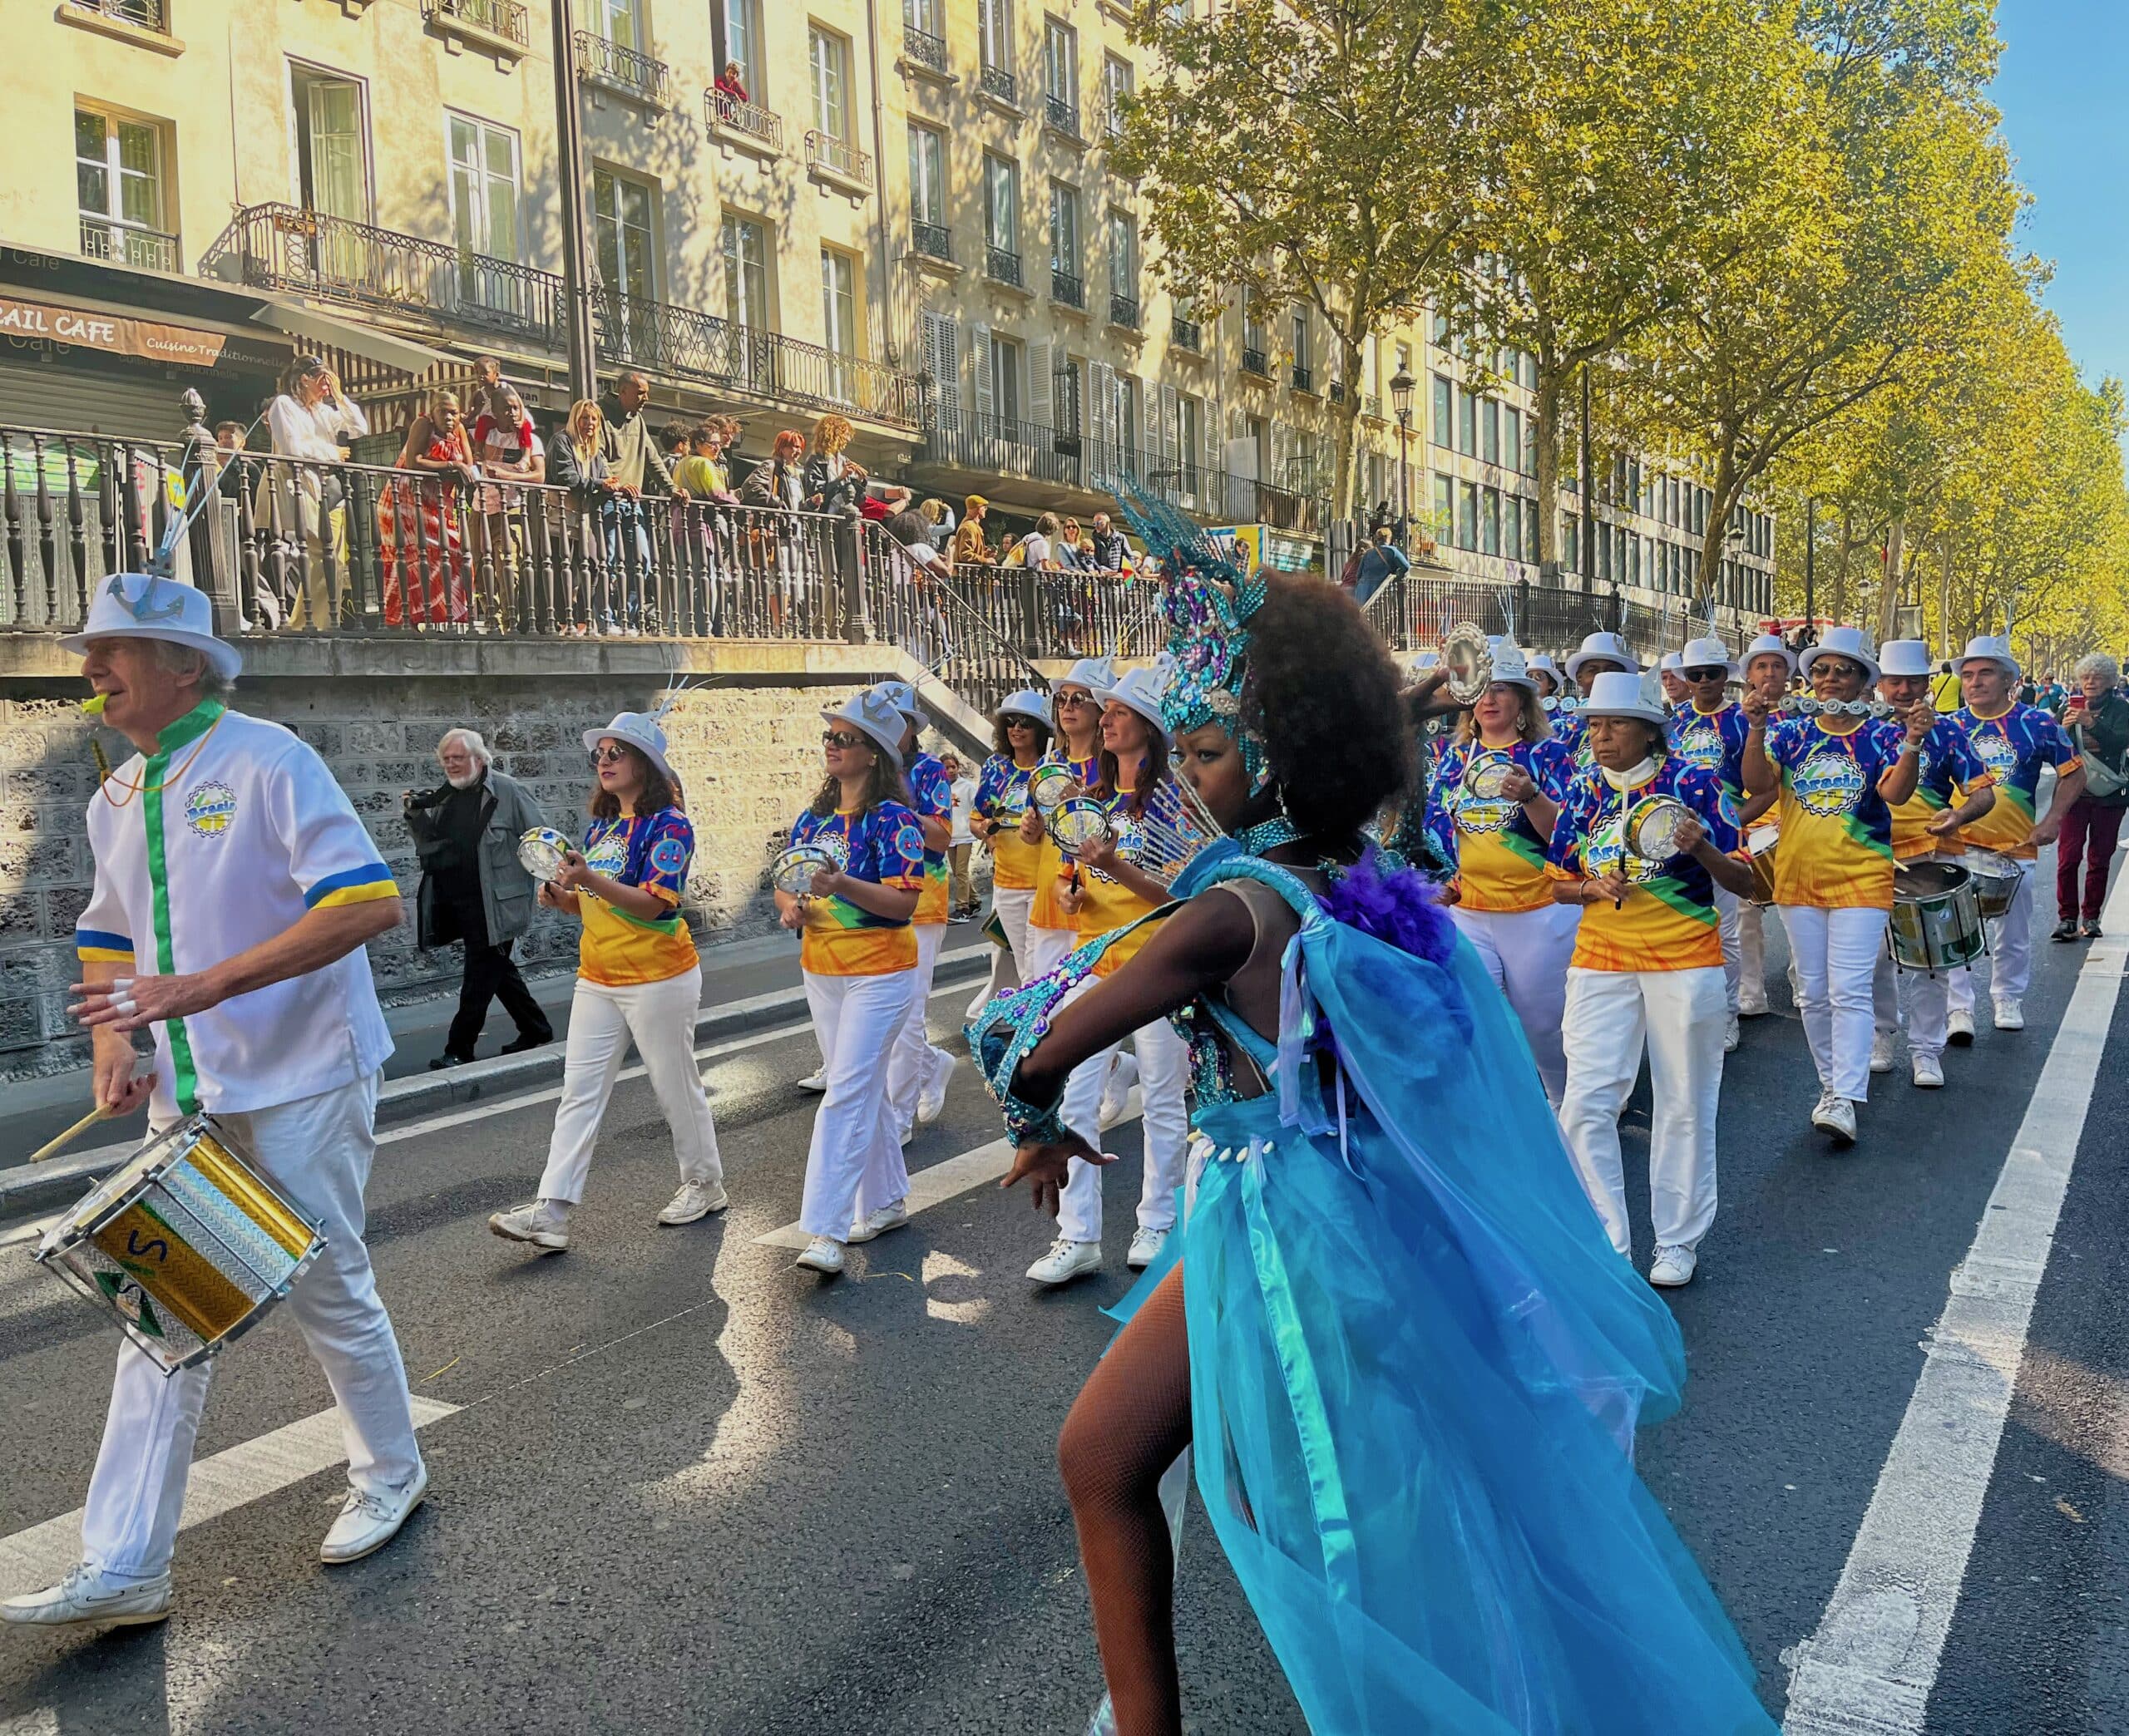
<point>1076,822</point>
<point>1048,785</point>
<point>793,871</point>
<point>1562,705</point>
<point>1484,777</point>
<point>1805,705</point>
<point>541,851</point>
<point>1652,826</point>
<point>1467,654</point>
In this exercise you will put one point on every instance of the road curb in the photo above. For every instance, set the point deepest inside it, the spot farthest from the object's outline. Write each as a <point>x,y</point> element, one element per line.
<point>59,1181</point>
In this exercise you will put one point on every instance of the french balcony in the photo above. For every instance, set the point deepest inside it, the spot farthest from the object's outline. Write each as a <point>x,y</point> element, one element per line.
<point>1067,287</point>
<point>921,48</point>
<point>1001,86</point>
<point>1337,391</point>
<point>1186,334</point>
<point>1061,115</point>
<point>1002,266</point>
<point>142,14</point>
<point>839,161</point>
<point>1124,310</point>
<point>1304,378</point>
<point>746,123</point>
<point>1256,362</point>
<point>1371,406</point>
<point>638,77</point>
<point>122,244</point>
<point>505,25</point>
<point>933,240</point>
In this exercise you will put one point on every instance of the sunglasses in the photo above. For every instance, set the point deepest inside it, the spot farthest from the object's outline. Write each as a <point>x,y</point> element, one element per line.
<point>840,738</point>
<point>1706,674</point>
<point>1075,698</point>
<point>608,756</point>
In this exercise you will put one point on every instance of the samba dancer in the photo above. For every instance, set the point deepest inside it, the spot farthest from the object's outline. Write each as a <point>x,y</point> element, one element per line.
<point>1841,773</point>
<point>1707,730</point>
<point>1406,1217</point>
<point>1646,973</point>
<point>1768,663</point>
<point>1019,740</point>
<point>858,953</point>
<point>234,890</point>
<point>1053,931</point>
<point>2015,740</point>
<point>919,1074</point>
<point>1494,796</point>
<point>638,974</point>
<point>1923,826</point>
<point>1111,891</point>
<point>1601,653</point>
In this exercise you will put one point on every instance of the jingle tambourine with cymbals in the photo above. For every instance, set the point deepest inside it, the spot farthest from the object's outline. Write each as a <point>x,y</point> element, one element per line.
<point>1652,826</point>
<point>1048,785</point>
<point>1805,705</point>
<point>1468,655</point>
<point>793,871</point>
<point>1562,705</point>
<point>542,850</point>
<point>1076,822</point>
<point>1484,778</point>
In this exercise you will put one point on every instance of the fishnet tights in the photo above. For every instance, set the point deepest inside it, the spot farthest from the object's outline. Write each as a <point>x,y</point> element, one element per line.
<point>1130,1421</point>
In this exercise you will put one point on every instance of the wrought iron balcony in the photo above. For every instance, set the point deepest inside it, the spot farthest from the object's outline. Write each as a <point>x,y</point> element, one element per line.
<point>1256,362</point>
<point>1067,287</point>
<point>122,244</point>
<point>924,48</point>
<point>996,81</point>
<point>507,19</point>
<point>749,119</point>
<point>1063,114</point>
<point>1304,378</point>
<point>1124,310</point>
<point>838,157</point>
<point>147,14</point>
<point>1186,334</point>
<point>934,240</point>
<point>1337,391</point>
<point>1001,265</point>
<point>637,76</point>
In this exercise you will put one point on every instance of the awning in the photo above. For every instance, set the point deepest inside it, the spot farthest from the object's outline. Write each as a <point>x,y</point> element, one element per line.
<point>305,320</point>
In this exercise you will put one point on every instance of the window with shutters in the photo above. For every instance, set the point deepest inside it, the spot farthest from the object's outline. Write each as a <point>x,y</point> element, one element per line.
<point>1005,366</point>
<point>941,334</point>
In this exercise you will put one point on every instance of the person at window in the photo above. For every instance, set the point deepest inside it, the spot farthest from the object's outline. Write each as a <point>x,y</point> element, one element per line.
<point>508,451</point>
<point>732,82</point>
<point>308,421</point>
<point>2096,717</point>
<point>420,520</point>
<point>581,469</point>
<point>969,548</point>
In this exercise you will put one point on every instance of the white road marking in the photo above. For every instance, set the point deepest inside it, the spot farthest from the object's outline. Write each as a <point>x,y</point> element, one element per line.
<point>42,1722</point>
<point>38,1556</point>
<point>1869,1670</point>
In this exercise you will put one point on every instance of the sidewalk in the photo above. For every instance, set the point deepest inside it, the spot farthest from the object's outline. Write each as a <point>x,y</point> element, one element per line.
<point>748,986</point>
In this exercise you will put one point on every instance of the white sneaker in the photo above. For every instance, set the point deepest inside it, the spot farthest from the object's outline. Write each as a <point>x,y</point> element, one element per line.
<point>931,1102</point>
<point>878,1223</point>
<point>908,1132</point>
<point>1732,1036</point>
<point>1116,1090</point>
<point>815,1081</point>
<point>368,1523</point>
<point>1750,1005</point>
<point>1065,1261</point>
<point>544,1223</point>
<point>2010,1016</point>
<point>1672,1267</point>
<point>1959,1028</point>
<point>823,1255</point>
<point>1146,1247</point>
<point>1929,1072</point>
<point>84,1595</point>
<point>1835,1115</point>
<point>1881,1051</point>
<point>695,1200</point>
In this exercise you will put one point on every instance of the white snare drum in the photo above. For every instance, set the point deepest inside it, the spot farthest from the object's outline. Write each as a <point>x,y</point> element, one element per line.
<point>1761,843</point>
<point>1996,879</point>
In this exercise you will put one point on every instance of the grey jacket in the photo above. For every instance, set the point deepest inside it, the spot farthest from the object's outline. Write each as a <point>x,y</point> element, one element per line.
<point>508,812</point>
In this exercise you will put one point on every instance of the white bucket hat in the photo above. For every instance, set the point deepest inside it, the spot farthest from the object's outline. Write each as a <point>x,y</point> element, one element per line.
<point>1989,647</point>
<point>1706,654</point>
<point>1846,641</point>
<point>877,718</point>
<point>1608,646</point>
<point>1027,702</point>
<point>1617,694</point>
<point>134,605</point>
<point>1094,673</point>
<point>640,731</point>
<point>1769,645</point>
<point>1140,689</point>
<point>1509,665</point>
<point>1905,656</point>
<point>900,695</point>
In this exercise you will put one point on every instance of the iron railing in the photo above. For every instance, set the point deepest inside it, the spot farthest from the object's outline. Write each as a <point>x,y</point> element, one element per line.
<point>1304,378</point>
<point>1001,265</point>
<point>1256,362</point>
<point>997,81</point>
<point>1186,334</point>
<point>838,156</point>
<point>1063,114</point>
<point>1025,614</point>
<point>1371,405</point>
<point>1124,310</point>
<point>508,19</point>
<point>1336,390</point>
<point>934,240</point>
<point>924,48</point>
<point>145,249</point>
<point>648,80</point>
<point>147,14</point>
<point>1067,287</point>
<point>750,120</point>
<point>925,609</point>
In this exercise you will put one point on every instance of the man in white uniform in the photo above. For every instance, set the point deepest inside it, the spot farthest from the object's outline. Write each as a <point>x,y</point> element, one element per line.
<point>234,888</point>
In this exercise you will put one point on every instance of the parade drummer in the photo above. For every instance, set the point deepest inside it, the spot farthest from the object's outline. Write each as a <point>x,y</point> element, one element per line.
<point>1840,774</point>
<point>234,890</point>
<point>638,975</point>
<point>1952,788</point>
<point>858,958</point>
<point>1646,972</point>
<point>1769,665</point>
<point>1601,653</point>
<point>918,1075</point>
<point>1053,931</point>
<point>1707,730</point>
<point>1020,738</point>
<point>2016,741</point>
<point>1501,896</point>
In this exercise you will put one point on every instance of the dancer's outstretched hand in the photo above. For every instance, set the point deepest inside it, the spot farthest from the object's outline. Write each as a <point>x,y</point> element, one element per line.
<point>1044,1166</point>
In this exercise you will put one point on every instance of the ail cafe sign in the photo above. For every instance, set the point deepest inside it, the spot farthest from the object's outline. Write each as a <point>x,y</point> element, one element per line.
<point>111,333</point>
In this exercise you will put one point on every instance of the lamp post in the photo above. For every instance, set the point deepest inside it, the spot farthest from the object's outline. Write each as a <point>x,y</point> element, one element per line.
<point>1400,398</point>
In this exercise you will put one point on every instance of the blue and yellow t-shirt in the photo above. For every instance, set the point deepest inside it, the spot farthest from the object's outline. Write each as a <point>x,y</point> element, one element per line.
<point>1949,767</point>
<point>885,845</point>
<point>1571,730</point>
<point>1109,904</point>
<point>931,795</point>
<point>2014,747</point>
<point>1499,856</point>
<point>652,851</point>
<point>1046,913</point>
<point>1001,794</point>
<point>1715,741</point>
<point>1667,920</point>
<point>1836,831</point>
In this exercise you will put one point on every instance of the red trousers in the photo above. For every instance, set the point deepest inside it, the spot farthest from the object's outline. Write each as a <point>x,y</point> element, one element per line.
<point>2089,833</point>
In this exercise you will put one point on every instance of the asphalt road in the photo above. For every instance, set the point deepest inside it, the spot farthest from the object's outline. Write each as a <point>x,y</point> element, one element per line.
<point>688,1488</point>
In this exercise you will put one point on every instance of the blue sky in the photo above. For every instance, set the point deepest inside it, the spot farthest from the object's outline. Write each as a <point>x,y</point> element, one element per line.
<point>2063,88</point>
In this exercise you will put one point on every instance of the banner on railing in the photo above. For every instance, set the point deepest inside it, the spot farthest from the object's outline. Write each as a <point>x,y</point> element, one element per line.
<point>110,333</point>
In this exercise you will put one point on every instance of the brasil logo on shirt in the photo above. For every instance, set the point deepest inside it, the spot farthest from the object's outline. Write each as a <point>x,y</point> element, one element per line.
<point>1474,814</point>
<point>609,854</point>
<point>209,808</point>
<point>1607,854</point>
<point>1997,752</point>
<point>1828,784</point>
<point>1701,744</point>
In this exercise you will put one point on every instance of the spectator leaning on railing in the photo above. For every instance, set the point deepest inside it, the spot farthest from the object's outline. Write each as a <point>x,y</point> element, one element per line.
<point>634,468</point>
<point>508,450</point>
<point>1112,554</point>
<point>969,548</point>
<point>732,82</point>
<point>577,464</point>
<point>420,536</point>
<point>308,421</point>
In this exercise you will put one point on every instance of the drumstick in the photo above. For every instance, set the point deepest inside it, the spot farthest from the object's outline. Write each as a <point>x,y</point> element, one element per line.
<point>99,1113</point>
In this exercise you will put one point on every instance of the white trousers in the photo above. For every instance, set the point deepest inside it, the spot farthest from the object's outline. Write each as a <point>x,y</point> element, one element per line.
<point>2010,950</point>
<point>1526,952</point>
<point>915,1062</point>
<point>854,1165</point>
<point>1163,1064</point>
<point>1677,1015</point>
<point>1752,957</point>
<point>661,1018</point>
<point>317,1150</point>
<point>1047,947</point>
<point>1914,998</point>
<point>1730,916</point>
<point>1011,967</point>
<point>1836,954</point>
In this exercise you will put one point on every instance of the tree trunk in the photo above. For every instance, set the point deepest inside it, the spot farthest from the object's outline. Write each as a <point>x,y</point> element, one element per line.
<point>1546,410</point>
<point>1344,421</point>
<point>1841,583</point>
<point>1889,592</point>
<point>1722,501</point>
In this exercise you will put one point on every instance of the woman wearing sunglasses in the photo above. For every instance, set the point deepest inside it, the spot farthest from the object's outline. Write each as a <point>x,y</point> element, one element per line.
<point>637,975</point>
<point>1053,931</point>
<point>858,953</point>
<point>1021,737</point>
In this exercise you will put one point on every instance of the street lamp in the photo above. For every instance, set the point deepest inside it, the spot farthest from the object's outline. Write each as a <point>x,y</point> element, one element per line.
<point>1400,398</point>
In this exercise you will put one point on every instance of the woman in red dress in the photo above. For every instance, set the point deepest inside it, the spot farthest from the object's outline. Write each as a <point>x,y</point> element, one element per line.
<point>420,533</point>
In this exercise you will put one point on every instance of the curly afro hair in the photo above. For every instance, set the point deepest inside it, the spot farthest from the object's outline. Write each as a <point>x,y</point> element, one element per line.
<point>1324,695</point>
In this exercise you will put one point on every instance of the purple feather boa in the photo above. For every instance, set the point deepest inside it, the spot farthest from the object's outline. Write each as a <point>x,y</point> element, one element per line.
<point>1401,909</point>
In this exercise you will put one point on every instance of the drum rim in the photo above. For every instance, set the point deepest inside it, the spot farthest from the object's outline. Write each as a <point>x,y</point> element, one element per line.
<point>1627,825</point>
<point>161,1153</point>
